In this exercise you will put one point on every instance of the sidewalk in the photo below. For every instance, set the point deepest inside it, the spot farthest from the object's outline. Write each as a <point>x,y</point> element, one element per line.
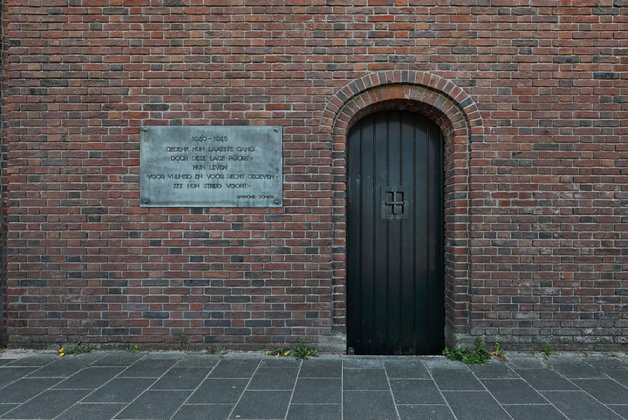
<point>120,385</point>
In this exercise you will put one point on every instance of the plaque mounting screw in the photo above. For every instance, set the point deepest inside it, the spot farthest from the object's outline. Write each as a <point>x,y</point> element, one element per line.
<point>276,201</point>
<point>144,129</point>
<point>275,130</point>
<point>145,201</point>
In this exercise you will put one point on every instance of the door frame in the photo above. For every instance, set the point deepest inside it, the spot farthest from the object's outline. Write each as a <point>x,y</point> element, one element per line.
<point>460,122</point>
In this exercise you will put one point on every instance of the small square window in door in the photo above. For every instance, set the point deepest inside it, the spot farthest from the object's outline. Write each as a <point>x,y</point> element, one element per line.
<point>395,206</point>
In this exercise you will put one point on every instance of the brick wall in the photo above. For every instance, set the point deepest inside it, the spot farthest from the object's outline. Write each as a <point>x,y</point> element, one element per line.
<point>543,164</point>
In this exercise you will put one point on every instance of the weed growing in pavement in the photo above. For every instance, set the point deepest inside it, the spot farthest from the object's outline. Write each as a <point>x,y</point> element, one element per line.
<point>74,349</point>
<point>299,350</point>
<point>477,356</point>
<point>214,349</point>
<point>548,350</point>
<point>133,348</point>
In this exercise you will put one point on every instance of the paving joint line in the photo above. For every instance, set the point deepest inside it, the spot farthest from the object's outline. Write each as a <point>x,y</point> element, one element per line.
<point>194,390</point>
<point>259,362</point>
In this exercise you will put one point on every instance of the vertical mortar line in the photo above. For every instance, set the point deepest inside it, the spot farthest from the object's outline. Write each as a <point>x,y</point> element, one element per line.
<point>293,388</point>
<point>2,225</point>
<point>390,389</point>
<point>194,390</point>
<point>96,389</point>
<point>259,362</point>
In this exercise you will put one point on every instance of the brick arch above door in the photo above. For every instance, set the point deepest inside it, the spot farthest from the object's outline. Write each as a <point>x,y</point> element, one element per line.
<point>460,121</point>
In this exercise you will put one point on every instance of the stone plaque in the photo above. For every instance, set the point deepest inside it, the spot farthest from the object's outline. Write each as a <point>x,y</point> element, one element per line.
<point>205,166</point>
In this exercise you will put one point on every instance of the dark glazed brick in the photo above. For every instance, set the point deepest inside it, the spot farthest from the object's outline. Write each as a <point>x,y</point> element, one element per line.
<point>262,405</point>
<point>365,379</point>
<point>513,391</point>
<point>472,405</point>
<point>314,412</point>
<point>235,368</point>
<point>217,391</point>
<point>368,405</point>
<point>154,405</point>
<point>204,412</point>
<point>182,378</point>
<point>534,412</point>
<point>120,390</point>
<point>408,369</point>
<point>91,412</point>
<point>579,406</point>
<point>48,405</point>
<point>431,412</point>
<point>413,391</point>
<point>25,389</point>
<point>318,390</point>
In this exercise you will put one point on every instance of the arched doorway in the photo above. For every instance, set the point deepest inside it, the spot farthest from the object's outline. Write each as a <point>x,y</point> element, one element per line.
<point>395,286</point>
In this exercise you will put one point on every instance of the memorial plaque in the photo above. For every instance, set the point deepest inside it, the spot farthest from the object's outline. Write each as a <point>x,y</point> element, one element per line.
<point>205,166</point>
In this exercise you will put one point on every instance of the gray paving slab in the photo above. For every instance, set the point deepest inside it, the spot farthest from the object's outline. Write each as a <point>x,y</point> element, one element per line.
<point>606,391</point>
<point>118,359</point>
<point>63,368</point>
<point>363,363</point>
<point>89,378</point>
<point>314,412</point>
<point>7,407</point>
<point>204,412</point>
<point>526,362</point>
<point>94,411</point>
<point>475,405</point>
<point>280,362</point>
<point>577,405</point>
<point>219,391</point>
<point>575,369</point>
<point>534,412</point>
<point>274,378</point>
<point>154,405</point>
<point>6,361</point>
<point>415,391</point>
<point>25,389</point>
<point>513,391</point>
<point>318,390</point>
<point>368,405</point>
<point>182,378</point>
<point>425,412</point>
<point>455,380</point>
<point>313,368</point>
<point>493,370</point>
<point>410,369</point>
<point>605,363</point>
<point>235,368</point>
<point>200,360</point>
<point>262,405</point>
<point>148,368</point>
<point>543,379</point>
<point>622,409</point>
<point>120,390</point>
<point>11,374</point>
<point>619,375</point>
<point>47,405</point>
<point>365,380</point>
<point>37,360</point>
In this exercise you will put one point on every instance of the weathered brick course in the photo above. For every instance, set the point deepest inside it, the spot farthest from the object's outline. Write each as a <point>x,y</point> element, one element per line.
<point>530,96</point>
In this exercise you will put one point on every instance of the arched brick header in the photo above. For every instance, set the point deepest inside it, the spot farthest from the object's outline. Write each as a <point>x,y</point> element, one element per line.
<point>460,121</point>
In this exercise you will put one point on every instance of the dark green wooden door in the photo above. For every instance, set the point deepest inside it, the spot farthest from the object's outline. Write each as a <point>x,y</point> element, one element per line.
<point>395,302</point>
